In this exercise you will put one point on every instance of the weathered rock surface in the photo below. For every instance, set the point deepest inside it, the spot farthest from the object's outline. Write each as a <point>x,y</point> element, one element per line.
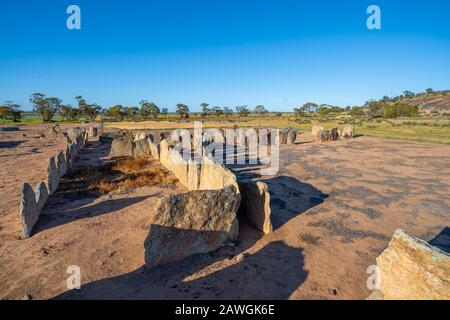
<point>141,148</point>
<point>178,166</point>
<point>316,129</point>
<point>154,149</point>
<point>61,164</point>
<point>164,152</point>
<point>53,132</point>
<point>52,175</point>
<point>41,195</point>
<point>347,133</point>
<point>191,223</point>
<point>215,176</point>
<point>193,175</point>
<point>93,132</point>
<point>121,148</point>
<point>139,135</point>
<point>284,136</point>
<point>411,269</point>
<point>255,205</point>
<point>334,134</point>
<point>28,211</point>
<point>72,133</point>
<point>291,136</point>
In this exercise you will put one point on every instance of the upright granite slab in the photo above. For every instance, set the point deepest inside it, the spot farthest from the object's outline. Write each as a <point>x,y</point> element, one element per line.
<point>141,148</point>
<point>121,148</point>
<point>178,166</point>
<point>41,195</point>
<point>154,149</point>
<point>28,210</point>
<point>61,164</point>
<point>193,175</point>
<point>255,205</point>
<point>191,223</point>
<point>164,152</point>
<point>52,175</point>
<point>215,176</point>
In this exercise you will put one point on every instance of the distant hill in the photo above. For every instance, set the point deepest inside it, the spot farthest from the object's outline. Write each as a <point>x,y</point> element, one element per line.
<point>430,102</point>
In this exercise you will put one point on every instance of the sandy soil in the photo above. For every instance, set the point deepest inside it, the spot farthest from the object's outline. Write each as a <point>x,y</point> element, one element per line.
<point>334,208</point>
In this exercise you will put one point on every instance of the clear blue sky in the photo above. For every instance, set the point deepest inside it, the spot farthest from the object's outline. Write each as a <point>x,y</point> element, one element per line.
<point>224,52</point>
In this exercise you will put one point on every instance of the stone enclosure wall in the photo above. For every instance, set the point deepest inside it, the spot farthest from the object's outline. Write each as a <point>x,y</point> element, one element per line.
<point>204,218</point>
<point>33,201</point>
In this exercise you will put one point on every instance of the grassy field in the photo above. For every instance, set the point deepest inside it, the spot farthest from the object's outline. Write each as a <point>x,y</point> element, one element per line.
<point>425,128</point>
<point>436,130</point>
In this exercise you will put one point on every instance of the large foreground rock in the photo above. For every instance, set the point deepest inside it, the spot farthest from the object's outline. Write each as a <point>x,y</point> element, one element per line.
<point>411,269</point>
<point>191,223</point>
<point>255,205</point>
<point>28,211</point>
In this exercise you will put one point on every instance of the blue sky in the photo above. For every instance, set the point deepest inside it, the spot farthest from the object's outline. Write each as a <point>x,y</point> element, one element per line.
<point>224,52</point>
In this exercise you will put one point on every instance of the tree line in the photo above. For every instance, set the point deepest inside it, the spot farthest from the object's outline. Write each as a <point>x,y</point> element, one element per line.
<point>48,107</point>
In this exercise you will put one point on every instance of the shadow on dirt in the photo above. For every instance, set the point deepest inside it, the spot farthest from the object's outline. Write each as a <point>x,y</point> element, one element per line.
<point>442,240</point>
<point>254,276</point>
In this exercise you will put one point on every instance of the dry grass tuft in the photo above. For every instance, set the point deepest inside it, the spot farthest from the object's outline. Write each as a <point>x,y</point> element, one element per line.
<point>131,166</point>
<point>122,175</point>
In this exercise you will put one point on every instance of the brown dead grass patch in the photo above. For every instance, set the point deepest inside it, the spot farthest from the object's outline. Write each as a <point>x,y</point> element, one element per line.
<point>121,175</point>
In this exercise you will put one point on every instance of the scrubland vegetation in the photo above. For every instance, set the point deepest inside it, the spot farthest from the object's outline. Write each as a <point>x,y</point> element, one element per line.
<point>414,116</point>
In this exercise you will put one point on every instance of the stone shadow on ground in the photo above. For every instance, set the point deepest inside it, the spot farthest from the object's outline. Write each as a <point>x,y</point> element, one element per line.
<point>273,272</point>
<point>289,197</point>
<point>10,144</point>
<point>442,240</point>
<point>51,220</point>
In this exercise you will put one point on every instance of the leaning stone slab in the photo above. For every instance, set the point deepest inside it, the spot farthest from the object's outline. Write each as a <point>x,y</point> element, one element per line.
<point>61,164</point>
<point>191,223</point>
<point>411,269</point>
<point>52,175</point>
<point>28,211</point>
<point>255,205</point>
<point>41,195</point>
